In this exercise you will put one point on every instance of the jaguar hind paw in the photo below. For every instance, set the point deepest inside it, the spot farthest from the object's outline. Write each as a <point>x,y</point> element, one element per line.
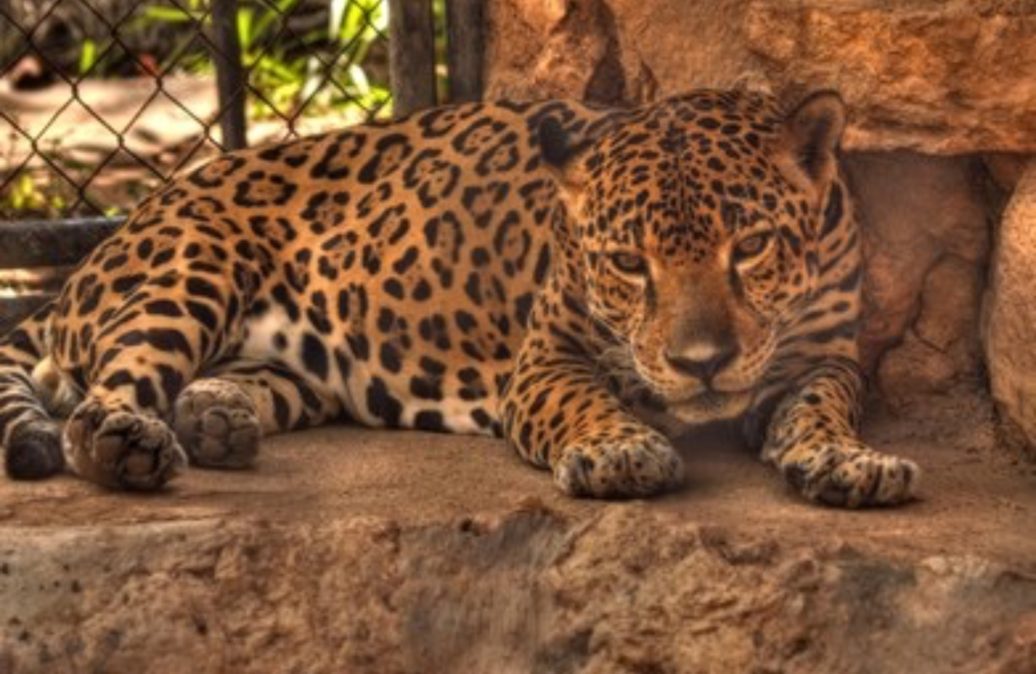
<point>119,448</point>
<point>217,423</point>
<point>34,451</point>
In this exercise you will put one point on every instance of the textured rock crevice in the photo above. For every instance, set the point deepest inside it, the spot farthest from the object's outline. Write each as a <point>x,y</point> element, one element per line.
<point>926,225</point>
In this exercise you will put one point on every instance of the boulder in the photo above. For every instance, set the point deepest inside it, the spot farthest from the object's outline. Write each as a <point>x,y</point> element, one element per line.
<point>1009,325</point>
<point>933,76</point>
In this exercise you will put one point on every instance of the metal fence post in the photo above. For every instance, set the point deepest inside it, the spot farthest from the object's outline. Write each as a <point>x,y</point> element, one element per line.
<point>230,78</point>
<point>411,55</point>
<point>464,48</point>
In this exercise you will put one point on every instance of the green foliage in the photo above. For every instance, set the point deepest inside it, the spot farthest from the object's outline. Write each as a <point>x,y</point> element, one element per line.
<point>47,188</point>
<point>293,73</point>
<point>26,195</point>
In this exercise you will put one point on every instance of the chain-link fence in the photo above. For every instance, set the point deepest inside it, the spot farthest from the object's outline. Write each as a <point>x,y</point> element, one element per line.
<point>100,100</point>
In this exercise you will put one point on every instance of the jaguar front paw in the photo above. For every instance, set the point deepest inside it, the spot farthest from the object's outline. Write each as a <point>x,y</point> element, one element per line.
<point>624,466</point>
<point>850,475</point>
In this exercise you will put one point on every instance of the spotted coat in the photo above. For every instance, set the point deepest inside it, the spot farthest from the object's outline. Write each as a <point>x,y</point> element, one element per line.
<point>573,278</point>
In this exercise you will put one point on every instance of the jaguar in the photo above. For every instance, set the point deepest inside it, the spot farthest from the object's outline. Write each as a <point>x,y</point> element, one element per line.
<point>578,279</point>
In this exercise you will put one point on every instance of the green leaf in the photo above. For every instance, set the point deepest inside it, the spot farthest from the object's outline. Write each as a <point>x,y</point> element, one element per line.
<point>268,16</point>
<point>168,14</point>
<point>314,80</point>
<point>277,69</point>
<point>358,78</point>
<point>87,56</point>
<point>244,27</point>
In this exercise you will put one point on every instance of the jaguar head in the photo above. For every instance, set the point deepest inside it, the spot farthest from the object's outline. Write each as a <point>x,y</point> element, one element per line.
<point>690,232</point>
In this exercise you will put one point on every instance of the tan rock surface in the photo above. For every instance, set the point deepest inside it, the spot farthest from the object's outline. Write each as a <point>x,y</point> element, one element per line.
<point>364,551</point>
<point>925,226</point>
<point>1009,330</point>
<point>934,76</point>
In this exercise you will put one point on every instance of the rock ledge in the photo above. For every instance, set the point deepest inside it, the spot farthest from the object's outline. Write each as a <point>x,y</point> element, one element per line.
<point>360,551</point>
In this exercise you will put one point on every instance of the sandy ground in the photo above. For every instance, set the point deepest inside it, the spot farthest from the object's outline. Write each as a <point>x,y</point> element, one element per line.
<point>975,499</point>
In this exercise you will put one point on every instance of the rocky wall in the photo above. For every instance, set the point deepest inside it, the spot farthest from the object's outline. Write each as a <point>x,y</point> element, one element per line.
<point>926,245</point>
<point>942,99</point>
<point>936,76</point>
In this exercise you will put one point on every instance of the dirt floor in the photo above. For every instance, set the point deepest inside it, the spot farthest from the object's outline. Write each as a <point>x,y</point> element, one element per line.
<point>358,550</point>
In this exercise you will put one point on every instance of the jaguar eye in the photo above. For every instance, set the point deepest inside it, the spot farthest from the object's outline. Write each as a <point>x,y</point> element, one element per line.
<point>629,263</point>
<point>752,245</point>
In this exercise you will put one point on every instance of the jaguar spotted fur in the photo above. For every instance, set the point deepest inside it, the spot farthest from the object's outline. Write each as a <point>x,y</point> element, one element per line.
<point>555,273</point>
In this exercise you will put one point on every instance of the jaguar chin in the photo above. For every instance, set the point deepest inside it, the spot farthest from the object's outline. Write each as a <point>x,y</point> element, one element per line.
<point>710,405</point>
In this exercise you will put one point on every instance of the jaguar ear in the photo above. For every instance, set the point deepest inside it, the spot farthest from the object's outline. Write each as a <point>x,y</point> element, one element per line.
<point>563,159</point>
<point>811,135</point>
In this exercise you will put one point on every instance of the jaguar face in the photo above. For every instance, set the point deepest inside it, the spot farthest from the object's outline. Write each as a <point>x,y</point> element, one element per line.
<point>697,243</point>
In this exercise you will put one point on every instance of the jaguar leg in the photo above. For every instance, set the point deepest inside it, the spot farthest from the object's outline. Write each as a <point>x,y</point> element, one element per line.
<point>117,436</point>
<point>29,437</point>
<point>812,440</point>
<point>135,363</point>
<point>558,414</point>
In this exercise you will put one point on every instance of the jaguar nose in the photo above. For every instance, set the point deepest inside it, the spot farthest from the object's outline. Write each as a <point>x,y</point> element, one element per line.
<point>703,361</point>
